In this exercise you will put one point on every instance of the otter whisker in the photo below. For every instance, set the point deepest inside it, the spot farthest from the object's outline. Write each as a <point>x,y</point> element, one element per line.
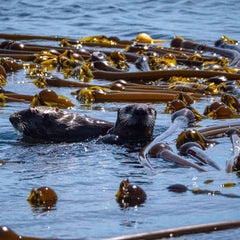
<point>124,122</point>
<point>22,126</point>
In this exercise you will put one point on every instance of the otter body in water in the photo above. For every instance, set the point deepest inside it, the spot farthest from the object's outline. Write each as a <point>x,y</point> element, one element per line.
<point>134,124</point>
<point>52,124</point>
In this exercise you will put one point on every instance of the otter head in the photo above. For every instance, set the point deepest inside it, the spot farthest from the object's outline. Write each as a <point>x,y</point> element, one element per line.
<point>135,123</point>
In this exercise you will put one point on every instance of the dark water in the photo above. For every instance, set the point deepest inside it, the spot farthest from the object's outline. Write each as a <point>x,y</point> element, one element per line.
<point>86,176</point>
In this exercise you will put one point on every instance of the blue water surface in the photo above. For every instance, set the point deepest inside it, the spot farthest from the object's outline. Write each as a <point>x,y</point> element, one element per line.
<point>86,176</point>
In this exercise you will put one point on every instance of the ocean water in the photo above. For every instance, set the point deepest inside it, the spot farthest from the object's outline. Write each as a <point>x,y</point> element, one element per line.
<point>86,176</point>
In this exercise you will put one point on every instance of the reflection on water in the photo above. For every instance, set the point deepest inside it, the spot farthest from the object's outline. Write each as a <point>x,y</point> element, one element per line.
<point>43,209</point>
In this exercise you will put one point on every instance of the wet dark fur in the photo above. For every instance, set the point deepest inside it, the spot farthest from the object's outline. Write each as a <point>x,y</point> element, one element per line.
<point>54,125</point>
<point>135,124</point>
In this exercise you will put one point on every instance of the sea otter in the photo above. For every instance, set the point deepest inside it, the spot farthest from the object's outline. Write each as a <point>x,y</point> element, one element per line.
<point>135,123</point>
<point>49,124</point>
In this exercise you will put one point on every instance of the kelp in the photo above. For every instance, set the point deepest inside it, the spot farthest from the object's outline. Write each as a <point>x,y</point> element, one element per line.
<point>2,99</point>
<point>119,60</point>
<point>3,80</point>
<point>43,199</point>
<point>163,150</point>
<point>139,70</point>
<point>54,81</point>
<point>46,97</point>
<point>11,65</point>
<point>130,195</point>
<point>3,73</point>
<point>233,162</point>
<point>145,38</point>
<point>233,55</point>
<point>228,40</point>
<point>167,61</point>
<point>165,65</point>
<point>99,94</point>
<point>49,98</point>
<point>183,118</point>
<point>192,135</point>
<point>99,40</point>
<point>83,73</point>
<point>156,75</point>
<point>195,150</point>
<point>180,103</point>
<point>69,61</point>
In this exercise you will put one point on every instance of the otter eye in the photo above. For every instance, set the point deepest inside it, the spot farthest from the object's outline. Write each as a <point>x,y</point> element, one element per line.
<point>150,110</point>
<point>128,109</point>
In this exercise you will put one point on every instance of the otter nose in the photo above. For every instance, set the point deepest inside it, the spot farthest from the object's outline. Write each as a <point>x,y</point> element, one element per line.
<point>140,111</point>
